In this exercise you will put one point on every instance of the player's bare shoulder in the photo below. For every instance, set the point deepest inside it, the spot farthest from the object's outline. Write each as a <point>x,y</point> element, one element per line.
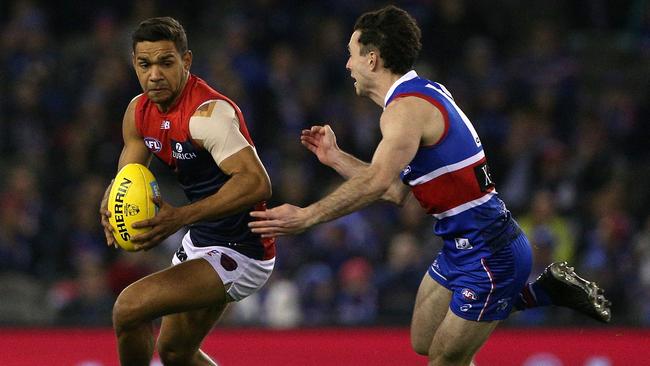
<point>130,109</point>
<point>413,106</point>
<point>416,114</point>
<point>128,121</point>
<point>134,102</point>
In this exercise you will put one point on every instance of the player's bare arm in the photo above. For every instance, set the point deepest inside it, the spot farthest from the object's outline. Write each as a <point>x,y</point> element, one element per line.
<point>249,184</point>
<point>134,151</point>
<point>215,128</point>
<point>321,141</point>
<point>399,123</point>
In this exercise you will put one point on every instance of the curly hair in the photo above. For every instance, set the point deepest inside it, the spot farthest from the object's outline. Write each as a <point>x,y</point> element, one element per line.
<point>161,29</point>
<point>394,33</point>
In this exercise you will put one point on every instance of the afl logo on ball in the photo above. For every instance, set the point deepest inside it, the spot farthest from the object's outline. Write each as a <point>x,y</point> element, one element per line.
<point>153,144</point>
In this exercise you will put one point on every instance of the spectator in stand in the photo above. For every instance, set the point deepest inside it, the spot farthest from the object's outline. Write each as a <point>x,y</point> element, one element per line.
<point>398,279</point>
<point>356,303</point>
<point>551,235</point>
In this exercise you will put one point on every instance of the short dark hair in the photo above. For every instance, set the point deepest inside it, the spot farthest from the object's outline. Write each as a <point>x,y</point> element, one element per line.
<point>394,33</point>
<point>161,29</point>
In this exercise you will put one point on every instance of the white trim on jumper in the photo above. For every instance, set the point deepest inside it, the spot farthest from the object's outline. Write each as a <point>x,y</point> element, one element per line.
<point>448,169</point>
<point>465,206</point>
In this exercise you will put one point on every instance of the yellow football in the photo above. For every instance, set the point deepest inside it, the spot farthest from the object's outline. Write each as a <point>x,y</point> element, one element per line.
<point>130,201</point>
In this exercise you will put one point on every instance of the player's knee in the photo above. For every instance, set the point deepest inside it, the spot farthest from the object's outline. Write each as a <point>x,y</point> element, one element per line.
<point>448,356</point>
<point>172,356</point>
<point>126,312</point>
<point>420,346</point>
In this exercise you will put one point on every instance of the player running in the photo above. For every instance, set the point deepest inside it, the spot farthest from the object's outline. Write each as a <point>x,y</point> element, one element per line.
<point>430,149</point>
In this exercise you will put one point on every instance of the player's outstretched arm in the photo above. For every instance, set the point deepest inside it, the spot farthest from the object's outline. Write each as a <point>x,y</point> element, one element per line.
<point>321,141</point>
<point>402,125</point>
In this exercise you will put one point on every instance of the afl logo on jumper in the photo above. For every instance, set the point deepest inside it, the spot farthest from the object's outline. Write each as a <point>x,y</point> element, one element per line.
<point>153,144</point>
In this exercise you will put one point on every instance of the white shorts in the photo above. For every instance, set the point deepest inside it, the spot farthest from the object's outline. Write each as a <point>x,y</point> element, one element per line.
<point>240,274</point>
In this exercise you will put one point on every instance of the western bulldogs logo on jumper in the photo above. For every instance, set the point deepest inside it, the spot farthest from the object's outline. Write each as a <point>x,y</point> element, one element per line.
<point>152,144</point>
<point>183,150</point>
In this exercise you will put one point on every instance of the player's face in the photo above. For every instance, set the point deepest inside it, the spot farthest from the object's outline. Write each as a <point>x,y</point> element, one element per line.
<point>357,64</point>
<point>161,69</point>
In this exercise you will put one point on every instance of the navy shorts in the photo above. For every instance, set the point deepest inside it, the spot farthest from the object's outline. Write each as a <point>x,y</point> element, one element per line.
<point>484,290</point>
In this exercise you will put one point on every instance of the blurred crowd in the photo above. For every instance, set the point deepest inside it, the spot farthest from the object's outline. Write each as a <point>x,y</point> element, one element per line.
<point>558,91</point>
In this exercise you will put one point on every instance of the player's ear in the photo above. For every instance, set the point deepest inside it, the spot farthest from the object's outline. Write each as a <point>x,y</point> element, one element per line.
<point>187,60</point>
<point>373,59</point>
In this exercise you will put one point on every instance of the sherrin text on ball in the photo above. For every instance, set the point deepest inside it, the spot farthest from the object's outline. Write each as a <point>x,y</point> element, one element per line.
<point>130,201</point>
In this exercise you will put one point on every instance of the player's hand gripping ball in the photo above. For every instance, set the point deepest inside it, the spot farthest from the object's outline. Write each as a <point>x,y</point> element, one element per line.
<point>130,201</point>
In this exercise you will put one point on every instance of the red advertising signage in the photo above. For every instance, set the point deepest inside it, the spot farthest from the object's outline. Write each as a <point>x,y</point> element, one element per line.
<point>357,347</point>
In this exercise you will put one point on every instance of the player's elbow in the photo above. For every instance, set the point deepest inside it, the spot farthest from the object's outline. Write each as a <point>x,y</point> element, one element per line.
<point>394,198</point>
<point>261,187</point>
<point>377,187</point>
<point>396,194</point>
<point>377,181</point>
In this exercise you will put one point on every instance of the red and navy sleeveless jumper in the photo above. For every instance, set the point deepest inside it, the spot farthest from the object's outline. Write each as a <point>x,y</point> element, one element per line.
<point>167,136</point>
